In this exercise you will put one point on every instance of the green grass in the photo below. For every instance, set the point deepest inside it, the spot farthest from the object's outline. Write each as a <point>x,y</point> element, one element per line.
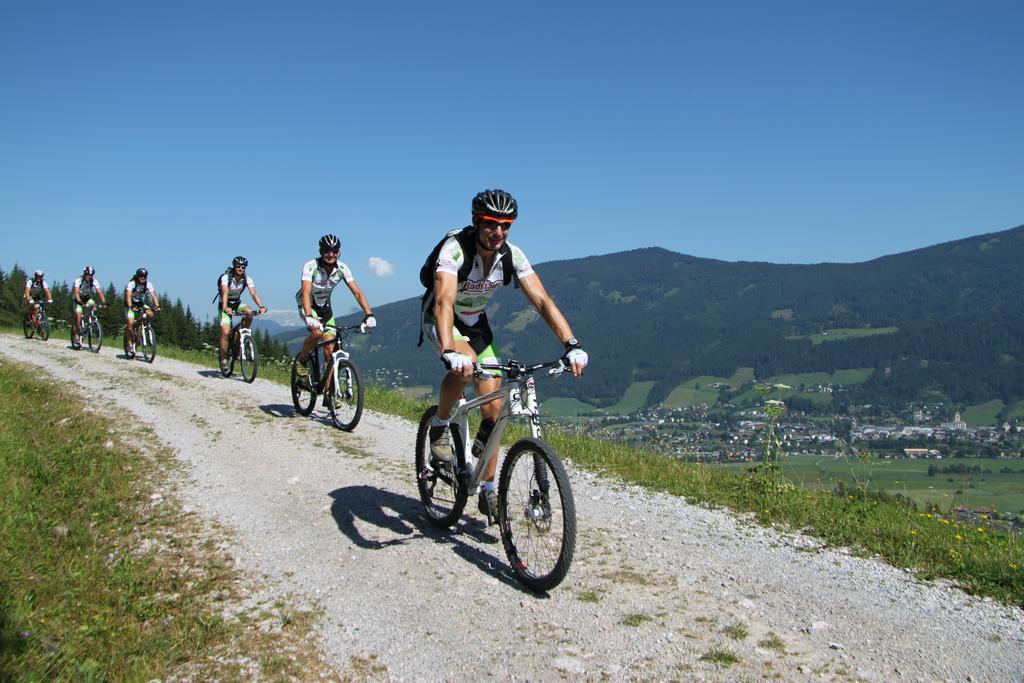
<point>96,583</point>
<point>720,656</point>
<point>558,406</point>
<point>843,333</point>
<point>633,399</point>
<point>983,414</point>
<point>999,491</point>
<point>695,391</point>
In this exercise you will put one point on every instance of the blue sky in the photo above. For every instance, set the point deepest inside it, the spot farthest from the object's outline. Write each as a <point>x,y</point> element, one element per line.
<point>176,135</point>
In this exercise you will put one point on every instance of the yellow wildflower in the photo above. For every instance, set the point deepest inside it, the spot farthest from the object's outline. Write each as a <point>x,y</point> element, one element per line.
<point>980,530</point>
<point>913,532</point>
<point>959,537</point>
<point>946,522</point>
<point>984,516</point>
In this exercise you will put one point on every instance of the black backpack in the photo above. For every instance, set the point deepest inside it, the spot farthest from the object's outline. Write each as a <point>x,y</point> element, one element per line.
<point>245,284</point>
<point>467,240</point>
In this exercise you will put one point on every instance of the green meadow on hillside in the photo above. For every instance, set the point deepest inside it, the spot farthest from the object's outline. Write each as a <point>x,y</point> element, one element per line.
<point>1003,491</point>
<point>839,334</point>
<point>696,391</point>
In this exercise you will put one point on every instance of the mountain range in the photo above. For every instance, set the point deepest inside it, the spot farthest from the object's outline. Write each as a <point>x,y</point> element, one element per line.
<point>939,323</point>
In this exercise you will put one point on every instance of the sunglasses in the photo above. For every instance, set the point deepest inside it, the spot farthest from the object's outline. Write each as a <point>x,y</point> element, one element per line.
<point>330,251</point>
<point>504,224</point>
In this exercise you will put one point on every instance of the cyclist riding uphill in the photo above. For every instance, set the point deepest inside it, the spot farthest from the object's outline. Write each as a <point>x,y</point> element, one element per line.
<point>35,289</point>
<point>319,278</point>
<point>470,265</point>
<point>229,290</point>
<point>135,298</point>
<point>83,292</point>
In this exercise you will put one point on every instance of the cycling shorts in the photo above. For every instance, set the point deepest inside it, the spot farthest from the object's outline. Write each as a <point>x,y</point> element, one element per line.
<point>322,313</point>
<point>237,307</point>
<point>129,315</point>
<point>478,335</point>
<point>88,302</point>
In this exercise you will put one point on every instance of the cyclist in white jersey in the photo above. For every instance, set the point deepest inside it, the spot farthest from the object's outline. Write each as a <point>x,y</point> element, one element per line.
<point>457,325</point>
<point>135,293</point>
<point>83,292</point>
<point>35,291</point>
<point>319,278</point>
<point>230,287</point>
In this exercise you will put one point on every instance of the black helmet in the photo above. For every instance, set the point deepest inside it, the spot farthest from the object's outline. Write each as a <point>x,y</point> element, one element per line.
<point>497,203</point>
<point>141,272</point>
<point>239,261</point>
<point>89,270</point>
<point>329,243</point>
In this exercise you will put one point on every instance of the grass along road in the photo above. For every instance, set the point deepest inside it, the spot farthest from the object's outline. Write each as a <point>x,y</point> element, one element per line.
<point>102,575</point>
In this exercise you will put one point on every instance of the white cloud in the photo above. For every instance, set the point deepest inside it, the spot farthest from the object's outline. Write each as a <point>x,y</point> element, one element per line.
<point>380,267</point>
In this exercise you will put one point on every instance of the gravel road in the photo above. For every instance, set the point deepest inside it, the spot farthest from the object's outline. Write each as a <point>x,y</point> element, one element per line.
<point>657,585</point>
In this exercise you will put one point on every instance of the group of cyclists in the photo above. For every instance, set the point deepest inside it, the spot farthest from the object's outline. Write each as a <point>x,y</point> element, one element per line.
<point>470,266</point>
<point>84,293</point>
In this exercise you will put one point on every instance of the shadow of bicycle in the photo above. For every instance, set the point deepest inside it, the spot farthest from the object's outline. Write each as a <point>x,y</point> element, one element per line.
<point>402,517</point>
<point>279,410</point>
<point>209,373</point>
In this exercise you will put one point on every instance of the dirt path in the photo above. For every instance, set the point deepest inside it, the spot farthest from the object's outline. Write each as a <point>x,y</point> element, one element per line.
<point>659,588</point>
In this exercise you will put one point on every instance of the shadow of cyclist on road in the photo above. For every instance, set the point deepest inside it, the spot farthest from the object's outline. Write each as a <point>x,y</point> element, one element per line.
<point>403,517</point>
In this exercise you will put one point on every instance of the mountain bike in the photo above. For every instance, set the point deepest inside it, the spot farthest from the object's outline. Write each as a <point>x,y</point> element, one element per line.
<point>144,337</point>
<point>536,512</point>
<point>338,382</point>
<point>91,330</point>
<point>37,324</point>
<point>241,348</point>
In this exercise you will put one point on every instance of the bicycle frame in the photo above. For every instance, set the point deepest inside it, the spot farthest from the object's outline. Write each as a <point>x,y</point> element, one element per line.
<point>339,354</point>
<point>519,398</point>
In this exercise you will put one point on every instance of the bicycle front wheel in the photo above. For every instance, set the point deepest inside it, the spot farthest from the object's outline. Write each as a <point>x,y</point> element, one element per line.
<point>28,328</point>
<point>303,396</point>
<point>94,335</point>
<point>248,361</point>
<point>44,329</point>
<point>537,514</point>
<point>148,343</point>
<point>346,406</point>
<point>442,491</point>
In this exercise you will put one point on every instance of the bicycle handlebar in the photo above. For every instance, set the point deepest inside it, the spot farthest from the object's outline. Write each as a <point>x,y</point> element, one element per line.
<point>516,369</point>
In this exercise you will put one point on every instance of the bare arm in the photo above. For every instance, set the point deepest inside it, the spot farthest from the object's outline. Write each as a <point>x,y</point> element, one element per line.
<point>538,296</point>
<point>306,288</point>
<point>75,296</point>
<point>49,297</point>
<point>224,297</point>
<point>256,298</point>
<point>360,299</point>
<point>445,287</point>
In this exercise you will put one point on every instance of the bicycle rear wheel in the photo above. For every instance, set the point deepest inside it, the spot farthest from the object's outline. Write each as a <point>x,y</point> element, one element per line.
<point>303,396</point>
<point>94,335</point>
<point>346,406</point>
<point>148,343</point>
<point>537,514</point>
<point>248,361</point>
<point>442,491</point>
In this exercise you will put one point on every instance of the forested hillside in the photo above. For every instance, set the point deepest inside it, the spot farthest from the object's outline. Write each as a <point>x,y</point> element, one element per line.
<point>944,322</point>
<point>175,324</point>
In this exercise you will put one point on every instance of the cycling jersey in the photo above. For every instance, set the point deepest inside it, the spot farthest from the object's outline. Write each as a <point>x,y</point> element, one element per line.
<point>323,283</point>
<point>138,292</point>
<point>235,287</point>
<point>473,294</point>
<point>36,290</point>
<point>86,289</point>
